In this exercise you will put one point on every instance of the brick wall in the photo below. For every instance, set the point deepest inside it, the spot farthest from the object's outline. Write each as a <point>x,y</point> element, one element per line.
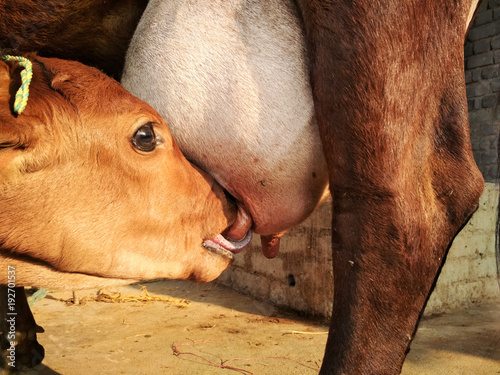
<point>301,277</point>
<point>482,76</point>
<point>469,274</point>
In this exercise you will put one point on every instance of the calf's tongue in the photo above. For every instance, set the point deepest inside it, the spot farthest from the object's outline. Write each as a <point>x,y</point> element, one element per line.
<point>240,227</point>
<point>271,244</point>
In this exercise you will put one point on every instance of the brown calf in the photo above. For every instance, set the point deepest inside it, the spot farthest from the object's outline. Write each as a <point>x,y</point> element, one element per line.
<point>92,183</point>
<point>95,192</point>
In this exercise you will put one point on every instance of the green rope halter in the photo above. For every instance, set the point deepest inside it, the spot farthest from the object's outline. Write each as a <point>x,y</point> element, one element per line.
<point>26,75</point>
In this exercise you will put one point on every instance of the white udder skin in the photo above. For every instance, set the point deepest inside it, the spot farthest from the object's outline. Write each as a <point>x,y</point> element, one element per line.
<point>230,78</point>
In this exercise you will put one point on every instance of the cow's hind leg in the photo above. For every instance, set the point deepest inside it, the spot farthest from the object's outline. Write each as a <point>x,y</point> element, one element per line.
<point>386,260</point>
<point>389,94</point>
<point>18,344</point>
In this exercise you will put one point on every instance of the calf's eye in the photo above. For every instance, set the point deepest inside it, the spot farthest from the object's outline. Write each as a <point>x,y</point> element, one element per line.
<point>145,138</point>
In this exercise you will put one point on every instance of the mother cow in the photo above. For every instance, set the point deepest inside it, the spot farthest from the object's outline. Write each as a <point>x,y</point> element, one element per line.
<point>388,88</point>
<point>389,95</point>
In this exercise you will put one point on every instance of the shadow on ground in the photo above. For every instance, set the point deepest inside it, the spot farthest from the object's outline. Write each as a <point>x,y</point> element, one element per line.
<point>221,332</point>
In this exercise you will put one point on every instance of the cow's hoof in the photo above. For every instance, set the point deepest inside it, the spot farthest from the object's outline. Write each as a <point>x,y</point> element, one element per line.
<point>24,352</point>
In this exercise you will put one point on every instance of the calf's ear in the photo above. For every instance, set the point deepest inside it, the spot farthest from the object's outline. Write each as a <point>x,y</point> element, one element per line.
<point>10,82</point>
<point>7,138</point>
<point>4,83</point>
<point>9,127</point>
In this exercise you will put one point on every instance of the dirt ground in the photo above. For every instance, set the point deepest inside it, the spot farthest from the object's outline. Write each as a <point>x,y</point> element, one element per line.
<point>209,329</point>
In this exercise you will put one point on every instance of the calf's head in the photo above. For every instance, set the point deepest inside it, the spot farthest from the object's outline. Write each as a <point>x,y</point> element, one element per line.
<point>92,183</point>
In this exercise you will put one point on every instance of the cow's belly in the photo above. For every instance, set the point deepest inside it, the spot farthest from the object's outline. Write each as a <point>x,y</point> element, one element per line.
<point>231,81</point>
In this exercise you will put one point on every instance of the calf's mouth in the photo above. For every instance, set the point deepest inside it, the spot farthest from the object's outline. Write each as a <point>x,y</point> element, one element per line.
<point>235,238</point>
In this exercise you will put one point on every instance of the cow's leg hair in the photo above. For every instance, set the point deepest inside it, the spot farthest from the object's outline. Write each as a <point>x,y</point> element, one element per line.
<point>389,96</point>
<point>28,352</point>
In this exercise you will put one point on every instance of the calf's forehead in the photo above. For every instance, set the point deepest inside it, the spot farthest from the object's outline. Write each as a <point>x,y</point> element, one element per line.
<point>87,95</point>
<point>92,91</point>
